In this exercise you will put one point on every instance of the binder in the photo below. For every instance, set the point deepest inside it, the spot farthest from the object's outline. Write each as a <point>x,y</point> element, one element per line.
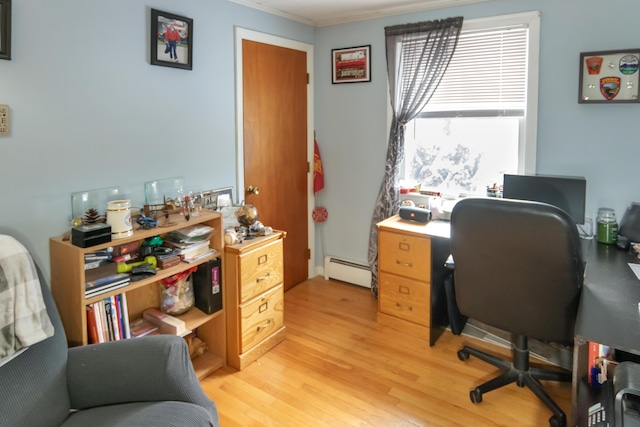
<point>207,286</point>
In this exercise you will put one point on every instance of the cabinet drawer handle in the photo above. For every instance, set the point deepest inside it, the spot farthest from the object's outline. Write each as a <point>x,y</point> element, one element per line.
<point>260,279</point>
<point>265,326</point>
<point>405,264</point>
<point>408,308</point>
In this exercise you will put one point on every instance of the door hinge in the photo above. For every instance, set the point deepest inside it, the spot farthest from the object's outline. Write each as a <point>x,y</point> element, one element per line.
<point>308,253</point>
<point>308,167</point>
<point>307,78</point>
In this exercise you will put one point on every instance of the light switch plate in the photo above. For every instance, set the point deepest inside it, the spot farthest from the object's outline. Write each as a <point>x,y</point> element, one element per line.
<point>4,120</point>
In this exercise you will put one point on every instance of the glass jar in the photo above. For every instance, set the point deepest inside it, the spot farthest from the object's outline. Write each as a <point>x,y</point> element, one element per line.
<point>177,293</point>
<point>607,226</point>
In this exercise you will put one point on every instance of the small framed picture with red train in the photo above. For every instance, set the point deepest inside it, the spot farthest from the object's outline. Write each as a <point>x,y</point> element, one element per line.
<point>351,64</point>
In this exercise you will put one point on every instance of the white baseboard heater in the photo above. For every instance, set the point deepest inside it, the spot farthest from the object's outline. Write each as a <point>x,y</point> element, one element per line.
<point>347,271</point>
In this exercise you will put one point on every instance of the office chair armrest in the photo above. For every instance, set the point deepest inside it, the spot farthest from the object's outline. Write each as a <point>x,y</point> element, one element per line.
<point>156,368</point>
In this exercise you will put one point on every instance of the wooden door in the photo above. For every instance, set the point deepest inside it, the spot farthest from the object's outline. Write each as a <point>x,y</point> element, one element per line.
<point>274,83</point>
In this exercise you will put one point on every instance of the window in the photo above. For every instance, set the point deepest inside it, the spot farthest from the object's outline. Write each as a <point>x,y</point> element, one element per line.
<point>481,121</point>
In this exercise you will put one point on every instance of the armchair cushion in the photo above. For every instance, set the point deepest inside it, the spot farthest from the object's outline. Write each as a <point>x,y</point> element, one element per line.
<point>144,369</point>
<point>143,414</point>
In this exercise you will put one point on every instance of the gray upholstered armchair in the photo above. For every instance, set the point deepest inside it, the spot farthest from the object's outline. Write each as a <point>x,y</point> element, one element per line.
<point>138,382</point>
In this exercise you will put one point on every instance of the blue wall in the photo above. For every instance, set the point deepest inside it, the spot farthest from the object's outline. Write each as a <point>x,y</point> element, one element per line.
<point>594,141</point>
<point>89,111</point>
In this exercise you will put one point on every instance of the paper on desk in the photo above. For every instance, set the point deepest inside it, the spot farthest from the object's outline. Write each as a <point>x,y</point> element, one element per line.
<point>636,269</point>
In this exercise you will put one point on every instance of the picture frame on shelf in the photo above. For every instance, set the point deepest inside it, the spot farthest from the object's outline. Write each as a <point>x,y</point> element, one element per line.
<point>5,29</point>
<point>609,77</point>
<point>351,64</point>
<point>216,199</point>
<point>171,40</point>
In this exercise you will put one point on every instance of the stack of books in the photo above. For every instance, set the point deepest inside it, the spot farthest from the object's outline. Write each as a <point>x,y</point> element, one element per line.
<point>108,320</point>
<point>105,284</point>
<point>191,243</point>
<point>191,252</point>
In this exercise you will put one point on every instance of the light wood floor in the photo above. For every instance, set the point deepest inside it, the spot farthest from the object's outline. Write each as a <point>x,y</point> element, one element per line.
<point>338,367</point>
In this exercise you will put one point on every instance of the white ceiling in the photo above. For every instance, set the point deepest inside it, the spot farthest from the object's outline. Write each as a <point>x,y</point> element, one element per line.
<point>321,13</point>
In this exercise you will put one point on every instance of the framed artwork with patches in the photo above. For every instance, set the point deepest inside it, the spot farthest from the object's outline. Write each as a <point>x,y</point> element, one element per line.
<point>609,76</point>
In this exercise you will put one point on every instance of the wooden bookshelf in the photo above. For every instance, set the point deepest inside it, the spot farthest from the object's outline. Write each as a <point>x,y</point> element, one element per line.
<point>68,279</point>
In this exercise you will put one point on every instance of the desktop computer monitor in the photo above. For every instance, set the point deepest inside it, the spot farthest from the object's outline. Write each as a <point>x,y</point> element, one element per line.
<point>565,192</point>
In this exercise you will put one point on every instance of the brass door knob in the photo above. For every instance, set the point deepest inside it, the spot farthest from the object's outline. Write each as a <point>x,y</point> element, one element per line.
<point>253,190</point>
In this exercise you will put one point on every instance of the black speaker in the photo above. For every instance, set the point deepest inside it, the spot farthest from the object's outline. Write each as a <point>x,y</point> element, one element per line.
<point>415,214</point>
<point>207,286</point>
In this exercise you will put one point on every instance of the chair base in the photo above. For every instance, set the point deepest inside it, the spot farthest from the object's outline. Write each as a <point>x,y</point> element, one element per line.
<point>518,371</point>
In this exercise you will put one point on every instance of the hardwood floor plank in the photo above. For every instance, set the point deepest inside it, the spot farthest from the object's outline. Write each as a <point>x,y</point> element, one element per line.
<point>339,367</point>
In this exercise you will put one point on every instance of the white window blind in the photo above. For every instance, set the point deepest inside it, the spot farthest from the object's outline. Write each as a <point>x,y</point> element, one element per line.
<point>487,71</point>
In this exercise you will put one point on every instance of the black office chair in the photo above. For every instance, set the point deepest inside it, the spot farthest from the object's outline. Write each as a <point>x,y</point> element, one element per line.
<point>518,268</point>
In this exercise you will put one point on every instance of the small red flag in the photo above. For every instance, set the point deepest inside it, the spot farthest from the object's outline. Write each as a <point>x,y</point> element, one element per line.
<point>318,172</point>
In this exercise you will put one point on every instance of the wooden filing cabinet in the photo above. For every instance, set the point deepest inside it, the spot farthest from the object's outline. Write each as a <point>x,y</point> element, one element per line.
<point>411,274</point>
<point>254,272</point>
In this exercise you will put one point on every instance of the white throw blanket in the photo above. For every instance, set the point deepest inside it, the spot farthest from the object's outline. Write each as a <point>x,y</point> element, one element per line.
<point>23,316</point>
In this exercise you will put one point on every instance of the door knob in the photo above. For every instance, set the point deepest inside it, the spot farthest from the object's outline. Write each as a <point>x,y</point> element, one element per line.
<point>253,190</point>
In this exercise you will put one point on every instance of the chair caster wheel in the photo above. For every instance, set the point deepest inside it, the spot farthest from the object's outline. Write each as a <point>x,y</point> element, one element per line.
<point>558,421</point>
<point>463,355</point>
<point>520,382</point>
<point>475,395</point>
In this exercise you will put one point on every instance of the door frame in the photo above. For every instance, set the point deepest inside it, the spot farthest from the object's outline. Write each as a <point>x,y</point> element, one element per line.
<point>246,34</point>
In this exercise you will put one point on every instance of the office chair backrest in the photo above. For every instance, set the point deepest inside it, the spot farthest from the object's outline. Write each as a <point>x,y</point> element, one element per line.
<point>518,266</point>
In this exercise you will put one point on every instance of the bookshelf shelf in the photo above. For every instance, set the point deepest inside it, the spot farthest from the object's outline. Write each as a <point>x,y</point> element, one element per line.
<point>68,279</point>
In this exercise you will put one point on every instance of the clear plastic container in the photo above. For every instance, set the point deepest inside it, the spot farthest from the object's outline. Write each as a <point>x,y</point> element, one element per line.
<point>607,228</point>
<point>177,293</point>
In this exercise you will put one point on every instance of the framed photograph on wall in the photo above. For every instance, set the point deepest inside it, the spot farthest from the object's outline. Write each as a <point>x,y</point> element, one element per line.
<point>5,29</point>
<point>351,64</point>
<point>609,77</point>
<point>171,40</point>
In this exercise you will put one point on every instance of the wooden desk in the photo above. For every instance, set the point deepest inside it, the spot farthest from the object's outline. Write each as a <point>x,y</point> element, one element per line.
<point>411,294</point>
<point>608,314</point>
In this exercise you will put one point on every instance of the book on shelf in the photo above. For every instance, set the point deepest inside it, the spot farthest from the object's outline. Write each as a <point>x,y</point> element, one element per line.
<point>109,320</point>
<point>125,315</point>
<point>116,318</point>
<point>198,257</point>
<point>97,313</point>
<point>95,264</point>
<point>93,291</point>
<point>190,234</point>
<point>92,258</point>
<point>92,327</point>
<point>106,280</point>
<point>182,248</point>
<point>166,323</point>
<point>142,328</point>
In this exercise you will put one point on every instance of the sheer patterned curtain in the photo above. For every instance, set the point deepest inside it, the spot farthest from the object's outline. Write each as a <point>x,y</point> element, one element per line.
<point>417,57</point>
